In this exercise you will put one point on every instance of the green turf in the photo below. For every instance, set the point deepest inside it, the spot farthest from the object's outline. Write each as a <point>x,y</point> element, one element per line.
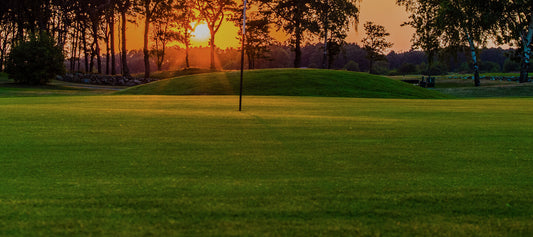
<point>286,166</point>
<point>55,88</point>
<point>511,90</point>
<point>286,82</point>
<point>176,73</point>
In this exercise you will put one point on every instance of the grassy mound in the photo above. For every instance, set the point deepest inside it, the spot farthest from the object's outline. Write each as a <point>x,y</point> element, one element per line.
<point>286,82</point>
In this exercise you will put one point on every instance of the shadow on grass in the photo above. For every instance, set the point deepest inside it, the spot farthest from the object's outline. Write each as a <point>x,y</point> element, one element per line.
<point>54,88</point>
<point>177,73</point>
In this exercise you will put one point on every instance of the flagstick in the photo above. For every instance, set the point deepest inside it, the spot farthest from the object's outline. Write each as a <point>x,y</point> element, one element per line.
<point>242,53</point>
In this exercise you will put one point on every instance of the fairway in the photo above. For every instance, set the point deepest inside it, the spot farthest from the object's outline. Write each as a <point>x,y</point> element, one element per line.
<point>285,166</point>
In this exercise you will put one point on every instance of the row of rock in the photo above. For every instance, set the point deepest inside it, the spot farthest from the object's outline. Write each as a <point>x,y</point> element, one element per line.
<point>96,79</point>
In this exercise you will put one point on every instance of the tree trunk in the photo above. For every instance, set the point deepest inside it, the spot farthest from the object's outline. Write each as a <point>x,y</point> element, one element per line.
<point>325,57</point>
<point>212,43</point>
<point>91,62</point>
<point>526,57</point>
<point>298,37</point>
<point>428,79</point>
<point>297,48</point>
<point>107,56</point>
<point>75,40</point>
<point>78,58</point>
<point>125,69</point>
<point>161,57</point>
<point>187,65</point>
<point>330,55</point>
<point>2,52</point>
<point>112,42</point>
<point>4,48</point>
<point>145,45</point>
<point>85,51</point>
<point>474,60</point>
<point>250,61</point>
<point>98,57</point>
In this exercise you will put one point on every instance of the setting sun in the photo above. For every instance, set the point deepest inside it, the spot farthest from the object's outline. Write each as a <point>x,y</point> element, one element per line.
<point>201,34</point>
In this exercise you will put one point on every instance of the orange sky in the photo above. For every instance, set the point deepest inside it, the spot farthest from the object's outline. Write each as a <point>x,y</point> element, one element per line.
<point>388,14</point>
<point>383,12</point>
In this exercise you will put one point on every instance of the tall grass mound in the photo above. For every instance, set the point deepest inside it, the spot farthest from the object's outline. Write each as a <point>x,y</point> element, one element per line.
<point>286,82</point>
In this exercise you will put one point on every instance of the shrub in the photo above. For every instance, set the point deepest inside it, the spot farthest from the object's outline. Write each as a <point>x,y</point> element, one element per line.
<point>352,66</point>
<point>36,61</point>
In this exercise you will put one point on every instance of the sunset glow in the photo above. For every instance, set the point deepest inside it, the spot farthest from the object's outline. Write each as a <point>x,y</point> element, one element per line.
<point>200,34</point>
<point>383,12</point>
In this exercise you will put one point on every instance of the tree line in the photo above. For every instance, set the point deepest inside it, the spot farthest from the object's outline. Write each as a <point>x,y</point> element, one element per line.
<point>350,57</point>
<point>88,30</point>
<point>444,26</point>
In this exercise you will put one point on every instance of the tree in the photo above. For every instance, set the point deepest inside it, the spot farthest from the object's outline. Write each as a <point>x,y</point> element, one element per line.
<point>36,61</point>
<point>375,42</point>
<point>6,37</point>
<point>110,34</point>
<point>515,27</point>
<point>335,17</point>
<point>96,13</point>
<point>467,23</point>
<point>258,38</point>
<point>150,9</point>
<point>214,13</point>
<point>162,34</point>
<point>427,35</point>
<point>296,17</point>
<point>186,17</point>
<point>124,7</point>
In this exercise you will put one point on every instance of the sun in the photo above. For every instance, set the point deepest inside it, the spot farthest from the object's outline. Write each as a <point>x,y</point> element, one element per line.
<point>201,33</point>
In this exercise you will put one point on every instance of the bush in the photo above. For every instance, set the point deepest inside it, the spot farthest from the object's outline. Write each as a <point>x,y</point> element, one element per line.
<point>36,61</point>
<point>352,66</point>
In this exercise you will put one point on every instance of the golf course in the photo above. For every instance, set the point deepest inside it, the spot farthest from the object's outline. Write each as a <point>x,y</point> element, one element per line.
<point>313,153</point>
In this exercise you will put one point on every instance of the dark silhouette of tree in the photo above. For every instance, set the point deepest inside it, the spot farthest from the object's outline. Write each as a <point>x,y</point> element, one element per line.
<point>257,39</point>
<point>96,12</point>
<point>466,23</point>
<point>515,27</point>
<point>427,35</point>
<point>296,17</point>
<point>149,9</point>
<point>214,13</point>
<point>6,35</point>
<point>335,17</point>
<point>186,22</point>
<point>163,32</point>
<point>375,42</point>
<point>124,7</point>
<point>110,36</point>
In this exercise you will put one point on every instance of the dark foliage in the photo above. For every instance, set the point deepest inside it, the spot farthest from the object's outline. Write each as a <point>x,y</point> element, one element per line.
<point>36,61</point>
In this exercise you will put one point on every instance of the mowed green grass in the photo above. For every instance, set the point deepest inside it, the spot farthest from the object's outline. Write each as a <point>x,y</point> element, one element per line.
<point>286,82</point>
<point>285,166</point>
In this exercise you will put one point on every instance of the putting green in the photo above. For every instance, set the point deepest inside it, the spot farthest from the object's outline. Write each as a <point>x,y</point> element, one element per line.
<point>287,82</point>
